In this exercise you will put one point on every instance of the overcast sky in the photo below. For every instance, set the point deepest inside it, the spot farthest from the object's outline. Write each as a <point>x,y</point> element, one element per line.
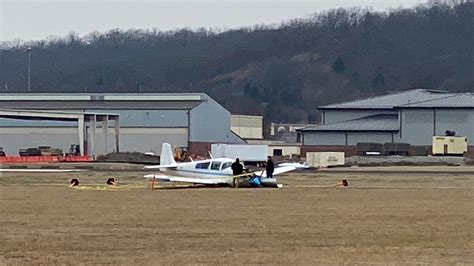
<point>38,19</point>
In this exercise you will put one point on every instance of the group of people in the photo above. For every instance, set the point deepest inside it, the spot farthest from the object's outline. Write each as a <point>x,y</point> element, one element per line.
<point>238,168</point>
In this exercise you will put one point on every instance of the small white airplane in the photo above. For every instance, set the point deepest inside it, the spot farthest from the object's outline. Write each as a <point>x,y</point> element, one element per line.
<point>214,171</point>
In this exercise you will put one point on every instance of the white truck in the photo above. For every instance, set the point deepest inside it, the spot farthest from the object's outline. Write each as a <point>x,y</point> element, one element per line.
<point>245,152</point>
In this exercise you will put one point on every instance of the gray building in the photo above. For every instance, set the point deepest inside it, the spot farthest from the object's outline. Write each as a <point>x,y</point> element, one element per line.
<point>412,116</point>
<point>190,120</point>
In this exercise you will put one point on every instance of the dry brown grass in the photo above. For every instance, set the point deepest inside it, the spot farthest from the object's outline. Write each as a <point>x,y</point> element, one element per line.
<point>44,221</point>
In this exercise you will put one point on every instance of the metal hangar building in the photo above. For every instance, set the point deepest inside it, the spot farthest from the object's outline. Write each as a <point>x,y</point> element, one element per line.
<point>411,116</point>
<point>189,120</point>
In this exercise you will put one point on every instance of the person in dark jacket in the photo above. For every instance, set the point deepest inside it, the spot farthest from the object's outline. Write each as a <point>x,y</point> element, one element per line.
<point>237,168</point>
<point>270,167</point>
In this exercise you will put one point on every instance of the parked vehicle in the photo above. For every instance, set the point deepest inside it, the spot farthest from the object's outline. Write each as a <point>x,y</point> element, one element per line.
<point>29,152</point>
<point>74,150</point>
<point>245,152</point>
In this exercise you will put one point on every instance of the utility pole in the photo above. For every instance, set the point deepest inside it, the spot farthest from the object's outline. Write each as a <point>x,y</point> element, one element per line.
<point>28,50</point>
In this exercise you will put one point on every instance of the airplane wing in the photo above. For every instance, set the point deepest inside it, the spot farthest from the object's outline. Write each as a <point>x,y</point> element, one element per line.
<point>283,168</point>
<point>169,166</point>
<point>204,181</point>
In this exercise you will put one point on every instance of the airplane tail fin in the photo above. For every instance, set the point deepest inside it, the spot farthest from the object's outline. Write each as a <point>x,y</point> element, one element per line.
<point>166,157</point>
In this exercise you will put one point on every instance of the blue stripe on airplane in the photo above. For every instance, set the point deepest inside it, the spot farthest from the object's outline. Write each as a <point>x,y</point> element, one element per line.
<point>202,172</point>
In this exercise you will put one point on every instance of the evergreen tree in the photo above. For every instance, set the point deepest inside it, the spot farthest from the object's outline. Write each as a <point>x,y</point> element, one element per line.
<point>338,66</point>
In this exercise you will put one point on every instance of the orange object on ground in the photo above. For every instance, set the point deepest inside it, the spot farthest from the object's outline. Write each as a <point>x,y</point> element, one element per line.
<point>153,183</point>
<point>43,159</point>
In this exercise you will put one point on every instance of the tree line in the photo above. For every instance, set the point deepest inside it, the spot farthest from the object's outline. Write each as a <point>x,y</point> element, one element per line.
<point>283,72</point>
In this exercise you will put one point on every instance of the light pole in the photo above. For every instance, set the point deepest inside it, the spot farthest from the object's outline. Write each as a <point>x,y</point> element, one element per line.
<point>28,50</point>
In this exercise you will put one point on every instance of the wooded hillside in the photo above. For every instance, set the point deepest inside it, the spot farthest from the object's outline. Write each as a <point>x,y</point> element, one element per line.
<point>282,72</point>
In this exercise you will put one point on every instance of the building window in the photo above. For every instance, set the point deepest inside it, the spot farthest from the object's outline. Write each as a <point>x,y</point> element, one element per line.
<point>298,137</point>
<point>277,152</point>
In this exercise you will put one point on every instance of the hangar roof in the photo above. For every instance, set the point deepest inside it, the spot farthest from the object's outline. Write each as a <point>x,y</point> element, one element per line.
<point>51,115</point>
<point>460,100</point>
<point>104,100</point>
<point>102,96</point>
<point>381,122</point>
<point>390,101</point>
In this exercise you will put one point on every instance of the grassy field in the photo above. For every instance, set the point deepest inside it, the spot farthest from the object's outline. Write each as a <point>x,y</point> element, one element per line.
<point>381,218</point>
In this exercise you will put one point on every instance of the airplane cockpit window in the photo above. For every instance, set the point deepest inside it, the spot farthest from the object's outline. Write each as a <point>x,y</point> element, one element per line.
<point>215,165</point>
<point>202,165</point>
<point>226,165</point>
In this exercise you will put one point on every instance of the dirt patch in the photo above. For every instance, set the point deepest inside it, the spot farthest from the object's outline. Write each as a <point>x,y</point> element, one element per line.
<point>412,221</point>
<point>129,157</point>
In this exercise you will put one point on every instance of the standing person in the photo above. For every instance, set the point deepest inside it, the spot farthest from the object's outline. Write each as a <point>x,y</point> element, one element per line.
<point>237,168</point>
<point>270,167</point>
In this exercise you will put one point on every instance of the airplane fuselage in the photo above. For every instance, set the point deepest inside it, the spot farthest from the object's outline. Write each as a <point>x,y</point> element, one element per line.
<point>214,171</point>
<point>219,167</point>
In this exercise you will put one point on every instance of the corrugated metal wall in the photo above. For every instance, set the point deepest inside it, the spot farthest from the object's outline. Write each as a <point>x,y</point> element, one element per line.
<point>419,125</point>
<point>14,138</point>
<point>378,137</point>
<point>210,122</point>
<point>345,138</point>
<point>333,116</point>
<point>128,118</point>
<point>247,127</point>
<point>324,138</point>
<point>150,118</point>
<point>145,125</point>
<point>131,139</point>
<point>141,131</point>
